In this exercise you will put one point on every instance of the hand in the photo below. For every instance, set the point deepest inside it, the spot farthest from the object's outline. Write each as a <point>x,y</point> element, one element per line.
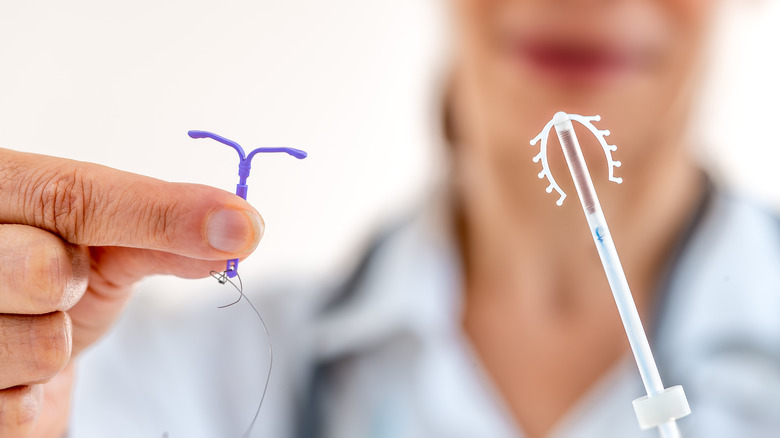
<point>74,238</point>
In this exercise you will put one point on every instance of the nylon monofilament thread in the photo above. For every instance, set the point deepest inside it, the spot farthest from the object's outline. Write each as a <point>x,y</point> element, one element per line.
<point>222,278</point>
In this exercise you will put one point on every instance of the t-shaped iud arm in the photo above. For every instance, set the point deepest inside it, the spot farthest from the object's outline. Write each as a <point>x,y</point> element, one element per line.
<point>244,166</point>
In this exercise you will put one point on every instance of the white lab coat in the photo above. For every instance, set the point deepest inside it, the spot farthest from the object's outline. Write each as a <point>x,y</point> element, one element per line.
<point>389,358</point>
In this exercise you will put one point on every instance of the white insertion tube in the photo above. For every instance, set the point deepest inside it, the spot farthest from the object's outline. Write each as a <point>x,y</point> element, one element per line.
<point>616,277</point>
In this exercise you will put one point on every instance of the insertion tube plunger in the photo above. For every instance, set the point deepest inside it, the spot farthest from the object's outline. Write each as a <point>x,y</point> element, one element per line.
<point>244,166</point>
<point>660,407</point>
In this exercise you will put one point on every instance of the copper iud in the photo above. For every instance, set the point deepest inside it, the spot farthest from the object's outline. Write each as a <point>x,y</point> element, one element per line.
<point>660,407</point>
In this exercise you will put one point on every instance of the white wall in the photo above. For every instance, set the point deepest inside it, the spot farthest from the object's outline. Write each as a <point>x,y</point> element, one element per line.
<point>350,81</point>
<point>740,113</point>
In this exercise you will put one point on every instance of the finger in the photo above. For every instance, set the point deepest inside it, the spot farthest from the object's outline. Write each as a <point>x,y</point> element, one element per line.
<point>55,408</point>
<point>93,205</point>
<point>110,283</point>
<point>41,272</point>
<point>19,410</point>
<point>34,348</point>
<point>123,266</point>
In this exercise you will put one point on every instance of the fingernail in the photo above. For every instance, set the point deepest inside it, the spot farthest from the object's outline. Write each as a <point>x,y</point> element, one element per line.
<point>233,231</point>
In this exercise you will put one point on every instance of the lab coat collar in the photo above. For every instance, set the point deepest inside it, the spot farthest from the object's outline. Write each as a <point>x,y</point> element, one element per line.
<point>409,285</point>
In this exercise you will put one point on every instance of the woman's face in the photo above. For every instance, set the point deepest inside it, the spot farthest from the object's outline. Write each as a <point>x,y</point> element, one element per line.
<point>634,62</point>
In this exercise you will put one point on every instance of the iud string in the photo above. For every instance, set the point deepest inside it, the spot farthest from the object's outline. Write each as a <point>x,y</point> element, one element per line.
<point>223,279</point>
<point>231,270</point>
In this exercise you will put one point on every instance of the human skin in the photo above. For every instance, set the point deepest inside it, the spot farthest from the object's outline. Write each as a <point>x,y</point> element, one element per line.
<point>538,309</point>
<point>74,238</point>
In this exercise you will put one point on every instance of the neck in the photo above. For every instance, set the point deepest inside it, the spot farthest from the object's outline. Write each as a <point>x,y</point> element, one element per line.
<point>517,241</point>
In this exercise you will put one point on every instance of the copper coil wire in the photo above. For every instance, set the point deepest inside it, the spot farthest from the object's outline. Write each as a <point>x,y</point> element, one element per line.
<point>579,171</point>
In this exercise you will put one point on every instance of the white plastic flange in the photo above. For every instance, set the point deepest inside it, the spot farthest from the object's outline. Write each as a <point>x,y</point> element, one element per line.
<point>658,409</point>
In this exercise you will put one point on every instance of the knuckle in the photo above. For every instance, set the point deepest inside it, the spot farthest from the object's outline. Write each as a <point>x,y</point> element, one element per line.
<point>50,342</point>
<point>61,198</point>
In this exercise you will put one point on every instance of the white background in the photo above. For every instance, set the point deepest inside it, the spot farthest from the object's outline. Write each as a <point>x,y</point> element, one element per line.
<point>353,82</point>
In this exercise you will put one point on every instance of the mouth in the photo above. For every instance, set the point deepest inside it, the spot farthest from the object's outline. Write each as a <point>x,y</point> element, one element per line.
<point>577,63</point>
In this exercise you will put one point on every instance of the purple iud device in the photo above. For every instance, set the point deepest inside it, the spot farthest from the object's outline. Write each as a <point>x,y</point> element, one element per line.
<point>244,166</point>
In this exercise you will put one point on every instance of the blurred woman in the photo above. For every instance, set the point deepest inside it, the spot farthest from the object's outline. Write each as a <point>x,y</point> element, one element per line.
<point>487,313</point>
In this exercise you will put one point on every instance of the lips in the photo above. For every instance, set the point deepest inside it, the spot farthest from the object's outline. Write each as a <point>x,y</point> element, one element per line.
<point>576,62</point>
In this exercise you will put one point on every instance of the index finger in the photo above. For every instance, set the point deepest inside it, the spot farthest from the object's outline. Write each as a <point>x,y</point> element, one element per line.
<point>94,205</point>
